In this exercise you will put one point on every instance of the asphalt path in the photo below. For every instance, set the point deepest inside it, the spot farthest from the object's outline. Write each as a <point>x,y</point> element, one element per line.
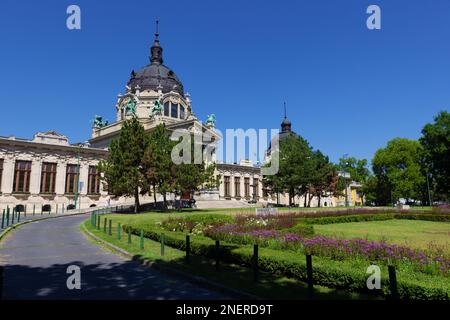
<point>37,255</point>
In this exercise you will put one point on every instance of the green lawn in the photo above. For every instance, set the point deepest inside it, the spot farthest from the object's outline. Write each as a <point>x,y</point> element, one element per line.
<point>412,233</point>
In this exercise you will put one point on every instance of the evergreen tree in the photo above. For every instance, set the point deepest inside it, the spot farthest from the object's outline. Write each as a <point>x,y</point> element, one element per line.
<point>122,171</point>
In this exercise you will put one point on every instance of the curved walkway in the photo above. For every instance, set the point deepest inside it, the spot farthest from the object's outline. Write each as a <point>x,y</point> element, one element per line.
<point>36,257</point>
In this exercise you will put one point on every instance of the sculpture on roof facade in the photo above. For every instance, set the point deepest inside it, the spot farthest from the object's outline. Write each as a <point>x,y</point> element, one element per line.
<point>156,109</point>
<point>211,120</point>
<point>130,107</point>
<point>99,122</point>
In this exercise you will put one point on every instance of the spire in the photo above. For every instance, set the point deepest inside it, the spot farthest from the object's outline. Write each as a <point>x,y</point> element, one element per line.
<point>286,124</point>
<point>156,50</point>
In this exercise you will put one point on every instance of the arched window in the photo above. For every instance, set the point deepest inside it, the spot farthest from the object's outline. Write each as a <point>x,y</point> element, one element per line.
<point>174,110</point>
<point>166,109</point>
<point>46,208</point>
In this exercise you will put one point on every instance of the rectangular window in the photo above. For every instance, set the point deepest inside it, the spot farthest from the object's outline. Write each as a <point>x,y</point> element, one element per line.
<point>237,187</point>
<point>247,187</point>
<point>71,178</point>
<point>174,110</point>
<point>22,173</point>
<point>1,173</point>
<point>182,113</point>
<point>227,186</point>
<point>94,180</point>
<point>48,177</point>
<point>166,109</point>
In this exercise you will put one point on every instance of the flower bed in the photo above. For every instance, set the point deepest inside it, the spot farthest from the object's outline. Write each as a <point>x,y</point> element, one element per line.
<point>343,274</point>
<point>284,232</point>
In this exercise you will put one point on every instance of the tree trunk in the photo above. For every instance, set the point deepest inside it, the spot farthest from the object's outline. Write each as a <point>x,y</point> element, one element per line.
<point>154,194</point>
<point>318,205</point>
<point>304,202</point>
<point>309,200</point>
<point>278,198</point>
<point>136,200</point>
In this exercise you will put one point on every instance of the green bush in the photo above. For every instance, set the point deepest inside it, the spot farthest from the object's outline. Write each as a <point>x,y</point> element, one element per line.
<point>349,275</point>
<point>195,223</point>
<point>349,218</point>
<point>376,217</point>
<point>303,230</point>
<point>427,217</point>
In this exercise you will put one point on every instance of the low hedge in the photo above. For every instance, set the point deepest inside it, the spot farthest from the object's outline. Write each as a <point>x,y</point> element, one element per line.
<point>347,275</point>
<point>301,229</point>
<point>376,217</point>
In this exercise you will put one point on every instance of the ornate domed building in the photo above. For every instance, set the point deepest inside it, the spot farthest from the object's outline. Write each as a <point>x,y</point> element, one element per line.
<point>48,173</point>
<point>153,94</point>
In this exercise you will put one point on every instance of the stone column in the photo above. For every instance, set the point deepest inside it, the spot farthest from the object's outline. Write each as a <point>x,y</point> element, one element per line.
<point>84,174</point>
<point>35,177</point>
<point>8,174</point>
<point>222,185</point>
<point>232,192</point>
<point>60,187</point>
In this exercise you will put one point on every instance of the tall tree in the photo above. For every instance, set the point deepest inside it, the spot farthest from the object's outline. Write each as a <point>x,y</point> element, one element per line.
<point>398,168</point>
<point>295,168</point>
<point>323,178</point>
<point>122,171</point>
<point>157,163</point>
<point>190,177</point>
<point>436,144</point>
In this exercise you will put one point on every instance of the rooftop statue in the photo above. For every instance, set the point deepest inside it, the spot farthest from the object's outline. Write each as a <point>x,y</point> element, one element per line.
<point>130,107</point>
<point>156,109</point>
<point>99,122</point>
<point>211,120</point>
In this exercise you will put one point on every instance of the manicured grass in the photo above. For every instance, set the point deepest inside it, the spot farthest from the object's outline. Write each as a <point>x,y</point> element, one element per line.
<point>412,233</point>
<point>269,286</point>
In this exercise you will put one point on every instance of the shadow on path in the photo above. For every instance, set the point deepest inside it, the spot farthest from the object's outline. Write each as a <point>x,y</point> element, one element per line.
<point>127,280</point>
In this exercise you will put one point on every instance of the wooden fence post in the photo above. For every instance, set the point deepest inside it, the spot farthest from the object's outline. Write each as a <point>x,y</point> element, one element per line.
<point>217,254</point>
<point>309,275</point>
<point>188,247</point>
<point>393,283</point>
<point>162,244</point>
<point>255,262</point>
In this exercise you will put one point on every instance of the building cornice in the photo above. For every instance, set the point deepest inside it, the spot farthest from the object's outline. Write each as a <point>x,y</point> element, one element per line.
<point>8,142</point>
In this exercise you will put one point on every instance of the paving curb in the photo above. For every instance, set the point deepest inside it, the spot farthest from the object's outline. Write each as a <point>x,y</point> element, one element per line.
<point>17,225</point>
<point>172,271</point>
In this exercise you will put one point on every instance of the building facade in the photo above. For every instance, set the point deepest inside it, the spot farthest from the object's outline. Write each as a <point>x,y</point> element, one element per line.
<point>47,173</point>
<point>42,174</point>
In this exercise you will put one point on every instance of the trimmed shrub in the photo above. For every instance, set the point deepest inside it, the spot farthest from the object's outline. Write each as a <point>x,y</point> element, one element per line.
<point>376,217</point>
<point>302,230</point>
<point>348,275</point>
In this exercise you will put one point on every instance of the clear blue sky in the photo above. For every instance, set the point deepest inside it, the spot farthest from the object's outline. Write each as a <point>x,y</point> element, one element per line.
<point>348,89</point>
